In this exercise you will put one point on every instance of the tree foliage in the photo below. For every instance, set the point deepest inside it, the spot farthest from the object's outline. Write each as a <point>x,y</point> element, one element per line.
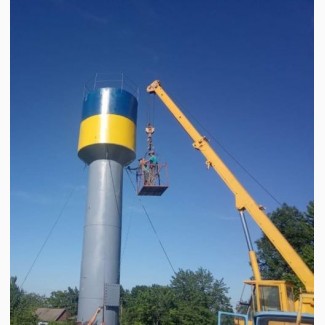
<point>191,298</point>
<point>201,289</point>
<point>148,305</point>
<point>67,299</point>
<point>21,307</point>
<point>298,229</point>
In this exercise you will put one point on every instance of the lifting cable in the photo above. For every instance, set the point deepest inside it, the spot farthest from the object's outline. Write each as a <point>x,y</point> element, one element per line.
<point>150,129</point>
<point>151,110</point>
<point>152,226</point>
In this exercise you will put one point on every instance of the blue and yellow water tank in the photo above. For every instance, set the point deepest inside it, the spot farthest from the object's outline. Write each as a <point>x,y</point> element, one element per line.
<point>108,126</point>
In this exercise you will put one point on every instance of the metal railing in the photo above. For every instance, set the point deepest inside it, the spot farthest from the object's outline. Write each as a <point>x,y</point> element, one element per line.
<point>111,80</point>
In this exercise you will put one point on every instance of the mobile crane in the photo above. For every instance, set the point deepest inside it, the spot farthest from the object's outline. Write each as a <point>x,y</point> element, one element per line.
<point>272,300</point>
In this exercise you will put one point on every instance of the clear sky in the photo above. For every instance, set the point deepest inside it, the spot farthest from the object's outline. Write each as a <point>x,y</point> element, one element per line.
<point>242,71</point>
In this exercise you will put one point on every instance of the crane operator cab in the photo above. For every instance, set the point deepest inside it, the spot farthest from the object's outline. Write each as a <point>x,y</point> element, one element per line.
<point>151,174</point>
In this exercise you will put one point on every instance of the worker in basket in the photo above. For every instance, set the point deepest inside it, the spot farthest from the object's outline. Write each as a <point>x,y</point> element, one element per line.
<point>153,168</point>
<point>144,170</point>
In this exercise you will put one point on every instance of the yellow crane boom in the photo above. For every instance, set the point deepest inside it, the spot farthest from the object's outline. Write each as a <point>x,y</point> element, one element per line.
<point>243,200</point>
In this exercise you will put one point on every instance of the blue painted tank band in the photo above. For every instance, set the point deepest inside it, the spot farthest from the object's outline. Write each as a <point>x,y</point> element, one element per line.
<point>110,101</point>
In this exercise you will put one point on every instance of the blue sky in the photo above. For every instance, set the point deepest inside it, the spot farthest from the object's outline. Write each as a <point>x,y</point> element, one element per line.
<point>242,71</point>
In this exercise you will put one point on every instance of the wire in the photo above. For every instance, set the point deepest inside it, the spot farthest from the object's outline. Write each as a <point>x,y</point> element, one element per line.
<point>48,235</point>
<point>237,161</point>
<point>118,208</point>
<point>153,227</point>
<point>248,173</point>
<point>126,238</point>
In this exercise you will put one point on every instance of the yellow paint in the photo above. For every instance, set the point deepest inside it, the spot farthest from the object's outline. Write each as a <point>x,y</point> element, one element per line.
<point>244,202</point>
<point>107,128</point>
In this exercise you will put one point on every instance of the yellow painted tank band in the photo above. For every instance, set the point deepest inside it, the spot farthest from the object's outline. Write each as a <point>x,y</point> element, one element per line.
<point>107,128</point>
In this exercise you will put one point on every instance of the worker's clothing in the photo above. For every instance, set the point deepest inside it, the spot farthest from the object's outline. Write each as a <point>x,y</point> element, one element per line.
<point>144,170</point>
<point>153,169</point>
<point>153,160</point>
<point>143,164</point>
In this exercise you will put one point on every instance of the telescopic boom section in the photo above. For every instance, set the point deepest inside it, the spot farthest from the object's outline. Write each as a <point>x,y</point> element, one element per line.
<point>243,200</point>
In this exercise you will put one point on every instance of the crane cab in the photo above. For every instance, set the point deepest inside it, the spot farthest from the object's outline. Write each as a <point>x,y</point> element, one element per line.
<point>272,295</point>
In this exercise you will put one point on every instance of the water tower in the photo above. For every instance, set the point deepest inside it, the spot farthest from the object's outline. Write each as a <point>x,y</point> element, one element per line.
<point>107,143</point>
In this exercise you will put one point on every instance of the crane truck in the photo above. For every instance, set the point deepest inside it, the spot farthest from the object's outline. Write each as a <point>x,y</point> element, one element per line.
<point>272,301</point>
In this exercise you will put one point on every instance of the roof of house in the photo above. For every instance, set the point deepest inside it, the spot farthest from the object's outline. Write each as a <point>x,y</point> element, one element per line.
<point>49,314</point>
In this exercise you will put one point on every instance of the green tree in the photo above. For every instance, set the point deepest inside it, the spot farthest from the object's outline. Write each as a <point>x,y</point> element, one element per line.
<point>298,229</point>
<point>191,298</point>
<point>147,305</point>
<point>310,214</point>
<point>199,297</point>
<point>22,309</point>
<point>65,299</point>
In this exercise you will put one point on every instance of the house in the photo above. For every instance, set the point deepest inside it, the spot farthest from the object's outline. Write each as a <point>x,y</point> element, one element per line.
<point>46,315</point>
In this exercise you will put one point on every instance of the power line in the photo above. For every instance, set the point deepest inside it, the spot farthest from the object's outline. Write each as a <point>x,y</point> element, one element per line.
<point>236,161</point>
<point>48,235</point>
<point>153,227</point>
